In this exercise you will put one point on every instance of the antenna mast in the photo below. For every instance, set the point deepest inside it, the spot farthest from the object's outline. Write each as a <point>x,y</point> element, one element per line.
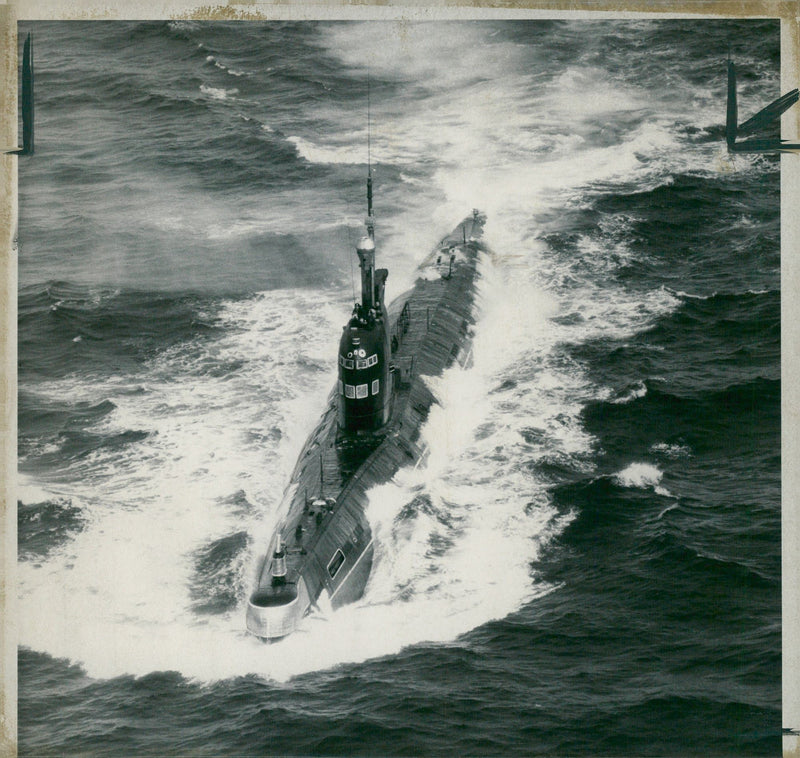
<point>370,218</point>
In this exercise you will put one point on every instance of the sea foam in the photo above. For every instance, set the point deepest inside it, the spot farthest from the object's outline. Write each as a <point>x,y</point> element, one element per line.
<point>642,475</point>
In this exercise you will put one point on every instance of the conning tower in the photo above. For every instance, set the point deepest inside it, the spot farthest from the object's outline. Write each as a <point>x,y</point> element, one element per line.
<point>364,388</point>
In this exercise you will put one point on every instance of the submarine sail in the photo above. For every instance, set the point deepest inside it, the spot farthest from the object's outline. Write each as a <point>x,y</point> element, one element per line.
<point>370,429</point>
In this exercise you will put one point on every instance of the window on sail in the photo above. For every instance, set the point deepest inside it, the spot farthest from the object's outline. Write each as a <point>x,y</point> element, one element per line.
<point>335,563</point>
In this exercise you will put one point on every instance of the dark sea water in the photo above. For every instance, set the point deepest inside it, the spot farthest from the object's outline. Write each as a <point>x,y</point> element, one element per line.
<point>588,562</point>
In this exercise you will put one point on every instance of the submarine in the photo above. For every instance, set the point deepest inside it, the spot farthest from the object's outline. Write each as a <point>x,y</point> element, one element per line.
<point>323,546</point>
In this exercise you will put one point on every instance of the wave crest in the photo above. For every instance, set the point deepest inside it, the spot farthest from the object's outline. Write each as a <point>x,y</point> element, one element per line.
<point>641,475</point>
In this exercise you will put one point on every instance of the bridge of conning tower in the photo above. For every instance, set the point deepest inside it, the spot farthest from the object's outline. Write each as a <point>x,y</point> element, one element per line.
<point>364,388</point>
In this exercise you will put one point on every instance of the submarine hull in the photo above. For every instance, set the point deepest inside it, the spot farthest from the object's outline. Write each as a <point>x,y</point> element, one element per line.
<point>323,530</point>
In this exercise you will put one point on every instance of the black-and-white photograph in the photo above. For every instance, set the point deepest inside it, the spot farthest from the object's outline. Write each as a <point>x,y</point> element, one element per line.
<point>400,387</point>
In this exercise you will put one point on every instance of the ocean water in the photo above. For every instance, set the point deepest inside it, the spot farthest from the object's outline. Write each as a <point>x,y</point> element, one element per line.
<point>588,562</point>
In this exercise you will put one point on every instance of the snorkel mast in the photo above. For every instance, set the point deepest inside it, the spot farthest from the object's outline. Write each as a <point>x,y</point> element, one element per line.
<point>370,298</point>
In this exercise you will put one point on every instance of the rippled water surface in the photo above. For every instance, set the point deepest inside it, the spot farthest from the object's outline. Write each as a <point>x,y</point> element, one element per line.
<point>588,562</point>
